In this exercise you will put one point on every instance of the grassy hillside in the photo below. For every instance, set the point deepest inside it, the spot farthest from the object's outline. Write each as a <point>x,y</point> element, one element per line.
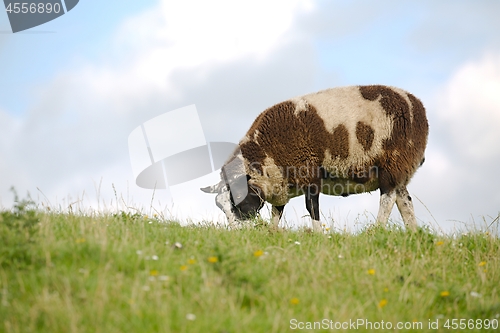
<point>133,273</point>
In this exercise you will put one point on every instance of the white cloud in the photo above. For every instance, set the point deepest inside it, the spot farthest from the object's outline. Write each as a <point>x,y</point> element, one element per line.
<point>180,35</point>
<point>470,106</point>
<point>459,177</point>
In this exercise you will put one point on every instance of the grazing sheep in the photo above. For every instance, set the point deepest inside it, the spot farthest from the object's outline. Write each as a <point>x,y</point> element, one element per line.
<point>339,141</point>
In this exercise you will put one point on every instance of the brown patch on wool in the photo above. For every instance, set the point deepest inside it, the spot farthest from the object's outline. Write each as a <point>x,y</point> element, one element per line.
<point>365,135</point>
<point>399,160</point>
<point>295,141</point>
<point>254,153</point>
<point>251,133</point>
<point>339,144</point>
<point>420,126</point>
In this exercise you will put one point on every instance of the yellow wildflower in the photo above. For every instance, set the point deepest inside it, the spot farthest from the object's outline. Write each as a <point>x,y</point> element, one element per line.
<point>212,260</point>
<point>382,303</point>
<point>258,253</point>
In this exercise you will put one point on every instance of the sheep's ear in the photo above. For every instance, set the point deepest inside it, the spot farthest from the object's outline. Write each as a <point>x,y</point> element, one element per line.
<point>239,189</point>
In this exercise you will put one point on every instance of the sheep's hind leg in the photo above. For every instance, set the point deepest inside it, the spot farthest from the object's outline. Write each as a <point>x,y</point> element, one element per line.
<point>405,206</point>
<point>386,203</point>
<point>387,197</point>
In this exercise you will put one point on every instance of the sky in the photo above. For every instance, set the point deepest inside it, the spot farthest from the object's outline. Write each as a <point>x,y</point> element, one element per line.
<point>72,91</point>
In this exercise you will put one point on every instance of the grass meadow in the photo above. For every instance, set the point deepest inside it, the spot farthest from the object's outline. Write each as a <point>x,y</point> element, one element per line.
<point>128,272</point>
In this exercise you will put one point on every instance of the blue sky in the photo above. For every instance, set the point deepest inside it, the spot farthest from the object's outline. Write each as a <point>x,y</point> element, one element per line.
<point>73,89</point>
<point>32,57</point>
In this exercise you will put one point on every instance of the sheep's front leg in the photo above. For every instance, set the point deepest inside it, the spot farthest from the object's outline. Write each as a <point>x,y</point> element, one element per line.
<point>387,200</point>
<point>312,205</point>
<point>405,206</point>
<point>276,212</point>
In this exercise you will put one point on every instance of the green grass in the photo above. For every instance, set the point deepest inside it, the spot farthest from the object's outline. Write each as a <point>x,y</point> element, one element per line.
<point>124,273</point>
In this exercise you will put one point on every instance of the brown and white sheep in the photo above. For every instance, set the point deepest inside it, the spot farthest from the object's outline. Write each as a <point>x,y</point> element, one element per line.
<point>338,141</point>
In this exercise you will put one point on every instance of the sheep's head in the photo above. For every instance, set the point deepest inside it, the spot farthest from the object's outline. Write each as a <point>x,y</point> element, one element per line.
<point>236,197</point>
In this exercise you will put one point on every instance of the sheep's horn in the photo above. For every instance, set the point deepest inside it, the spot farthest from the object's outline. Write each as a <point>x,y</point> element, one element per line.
<point>212,189</point>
